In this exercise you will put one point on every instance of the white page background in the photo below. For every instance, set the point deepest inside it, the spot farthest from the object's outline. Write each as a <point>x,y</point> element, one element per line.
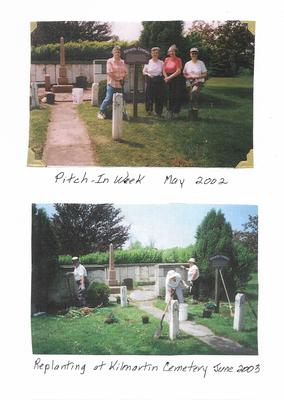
<point>22,186</point>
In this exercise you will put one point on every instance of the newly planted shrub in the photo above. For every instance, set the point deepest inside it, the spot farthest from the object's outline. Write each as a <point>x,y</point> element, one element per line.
<point>97,294</point>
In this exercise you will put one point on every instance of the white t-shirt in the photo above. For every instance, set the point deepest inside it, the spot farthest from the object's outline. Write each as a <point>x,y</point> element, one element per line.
<point>195,68</point>
<point>193,273</point>
<point>154,68</point>
<point>79,272</point>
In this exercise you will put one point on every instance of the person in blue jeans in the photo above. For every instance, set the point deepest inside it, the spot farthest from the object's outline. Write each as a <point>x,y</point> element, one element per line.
<point>116,73</point>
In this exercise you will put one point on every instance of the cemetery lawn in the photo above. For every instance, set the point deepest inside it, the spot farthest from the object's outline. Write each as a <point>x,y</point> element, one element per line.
<point>222,136</point>
<point>39,119</point>
<point>222,324</point>
<point>90,335</point>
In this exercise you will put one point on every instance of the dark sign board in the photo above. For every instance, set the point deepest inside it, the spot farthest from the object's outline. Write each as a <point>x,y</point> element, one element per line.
<point>219,261</point>
<point>136,55</point>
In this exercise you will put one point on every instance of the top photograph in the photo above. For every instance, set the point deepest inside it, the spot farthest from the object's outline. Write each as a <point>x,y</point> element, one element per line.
<point>141,94</point>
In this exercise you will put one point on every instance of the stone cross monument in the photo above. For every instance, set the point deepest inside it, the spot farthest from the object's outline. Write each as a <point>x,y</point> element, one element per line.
<point>63,86</point>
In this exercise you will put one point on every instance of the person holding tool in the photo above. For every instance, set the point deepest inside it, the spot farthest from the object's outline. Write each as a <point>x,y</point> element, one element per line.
<point>175,285</point>
<point>80,276</point>
<point>116,73</point>
<point>172,74</point>
<point>192,272</point>
<point>155,83</point>
<point>195,73</point>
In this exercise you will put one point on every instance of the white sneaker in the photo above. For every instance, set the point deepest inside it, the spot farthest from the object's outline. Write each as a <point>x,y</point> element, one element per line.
<point>101,115</point>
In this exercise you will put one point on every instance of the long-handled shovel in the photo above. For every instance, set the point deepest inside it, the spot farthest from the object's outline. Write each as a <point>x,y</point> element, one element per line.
<point>159,330</point>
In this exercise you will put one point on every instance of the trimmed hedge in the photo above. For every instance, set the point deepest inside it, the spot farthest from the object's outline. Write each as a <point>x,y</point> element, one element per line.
<point>144,255</point>
<point>85,51</point>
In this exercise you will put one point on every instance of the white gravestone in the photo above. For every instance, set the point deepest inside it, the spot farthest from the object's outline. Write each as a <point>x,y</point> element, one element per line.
<point>95,94</point>
<point>239,312</point>
<point>35,100</point>
<point>174,320</point>
<point>123,296</point>
<point>117,105</point>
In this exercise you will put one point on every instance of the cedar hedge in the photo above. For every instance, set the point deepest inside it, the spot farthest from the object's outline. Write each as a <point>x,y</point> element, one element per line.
<point>84,51</point>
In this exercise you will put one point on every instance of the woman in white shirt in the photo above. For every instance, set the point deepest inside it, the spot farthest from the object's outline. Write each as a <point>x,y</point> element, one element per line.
<point>155,83</point>
<point>174,284</point>
<point>195,73</point>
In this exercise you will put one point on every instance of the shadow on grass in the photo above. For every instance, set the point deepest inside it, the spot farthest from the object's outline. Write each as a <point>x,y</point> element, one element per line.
<point>131,144</point>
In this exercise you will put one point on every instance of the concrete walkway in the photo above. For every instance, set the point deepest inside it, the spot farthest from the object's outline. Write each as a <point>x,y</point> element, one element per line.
<point>201,332</point>
<point>68,142</point>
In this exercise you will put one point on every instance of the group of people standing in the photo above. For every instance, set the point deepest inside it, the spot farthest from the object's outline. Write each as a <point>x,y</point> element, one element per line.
<point>164,81</point>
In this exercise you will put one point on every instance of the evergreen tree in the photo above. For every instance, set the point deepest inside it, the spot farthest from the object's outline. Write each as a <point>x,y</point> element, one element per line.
<point>163,34</point>
<point>214,237</point>
<point>44,257</point>
<point>51,32</point>
<point>86,228</point>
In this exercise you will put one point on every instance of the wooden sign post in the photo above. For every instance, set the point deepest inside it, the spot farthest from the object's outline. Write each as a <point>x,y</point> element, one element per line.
<point>218,262</point>
<point>136,56</point>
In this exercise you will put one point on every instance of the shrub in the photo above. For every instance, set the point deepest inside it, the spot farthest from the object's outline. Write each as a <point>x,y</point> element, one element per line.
<point>102,90</point>
<point>97,294</point>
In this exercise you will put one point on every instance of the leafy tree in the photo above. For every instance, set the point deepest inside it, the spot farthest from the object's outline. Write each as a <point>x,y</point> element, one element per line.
<point>86,228</point>
<point>225,47</point>
<point>249,235</point>
<point>44,257</point>
<point>233,48</point>
<point>248,238</point>
<point>51,32</point>
<point>163,34</point>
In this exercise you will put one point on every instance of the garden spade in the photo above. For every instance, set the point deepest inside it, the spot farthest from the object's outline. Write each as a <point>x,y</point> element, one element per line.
<point>159,330</point>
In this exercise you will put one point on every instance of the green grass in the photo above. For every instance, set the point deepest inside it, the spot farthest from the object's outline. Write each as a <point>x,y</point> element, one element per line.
<point>38,128</point>
<point>222,324</point>
<point>90,335</point>
<point>222,136</point>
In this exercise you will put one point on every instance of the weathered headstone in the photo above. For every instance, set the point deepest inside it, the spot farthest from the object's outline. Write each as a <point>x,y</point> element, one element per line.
<point>95,94</point>
<point>239,312</point>
<point>183,311</point>
<point>63,86</point>
<point>117,106</point>
<point>34,96</point>
<point>47,83</point>
<point>174,319</point>
<point>123,296</point>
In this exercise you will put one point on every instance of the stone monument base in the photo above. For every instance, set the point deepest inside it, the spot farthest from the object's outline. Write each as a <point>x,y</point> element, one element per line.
<point>114,289</point>
<point>62,88</point>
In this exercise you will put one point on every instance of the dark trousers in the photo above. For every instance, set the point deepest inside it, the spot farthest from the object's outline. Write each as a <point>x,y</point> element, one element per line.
<point>155,94</point>
<point>174,94</point>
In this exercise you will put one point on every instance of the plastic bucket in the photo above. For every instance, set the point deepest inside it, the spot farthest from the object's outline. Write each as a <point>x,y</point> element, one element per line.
<point>77,95</point>
<point>183,310</point>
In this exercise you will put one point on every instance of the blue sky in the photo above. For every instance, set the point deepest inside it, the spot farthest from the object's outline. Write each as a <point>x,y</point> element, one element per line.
<point>171,225</point>
<point>132,30</point>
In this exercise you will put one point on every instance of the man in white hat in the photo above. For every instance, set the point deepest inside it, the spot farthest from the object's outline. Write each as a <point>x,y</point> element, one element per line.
<point>80,276</point>
<point>192,272</point>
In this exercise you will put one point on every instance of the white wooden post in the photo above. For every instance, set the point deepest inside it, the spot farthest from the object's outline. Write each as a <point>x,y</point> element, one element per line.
<point>95,94</point>
<point>239,312</point>
<point>174,322</point>
<point>117,104</point>
<point>123,296</point>
<point>35,100</point>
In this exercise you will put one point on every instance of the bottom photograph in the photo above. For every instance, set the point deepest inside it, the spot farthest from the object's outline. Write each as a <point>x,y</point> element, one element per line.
<point>144,279</point>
